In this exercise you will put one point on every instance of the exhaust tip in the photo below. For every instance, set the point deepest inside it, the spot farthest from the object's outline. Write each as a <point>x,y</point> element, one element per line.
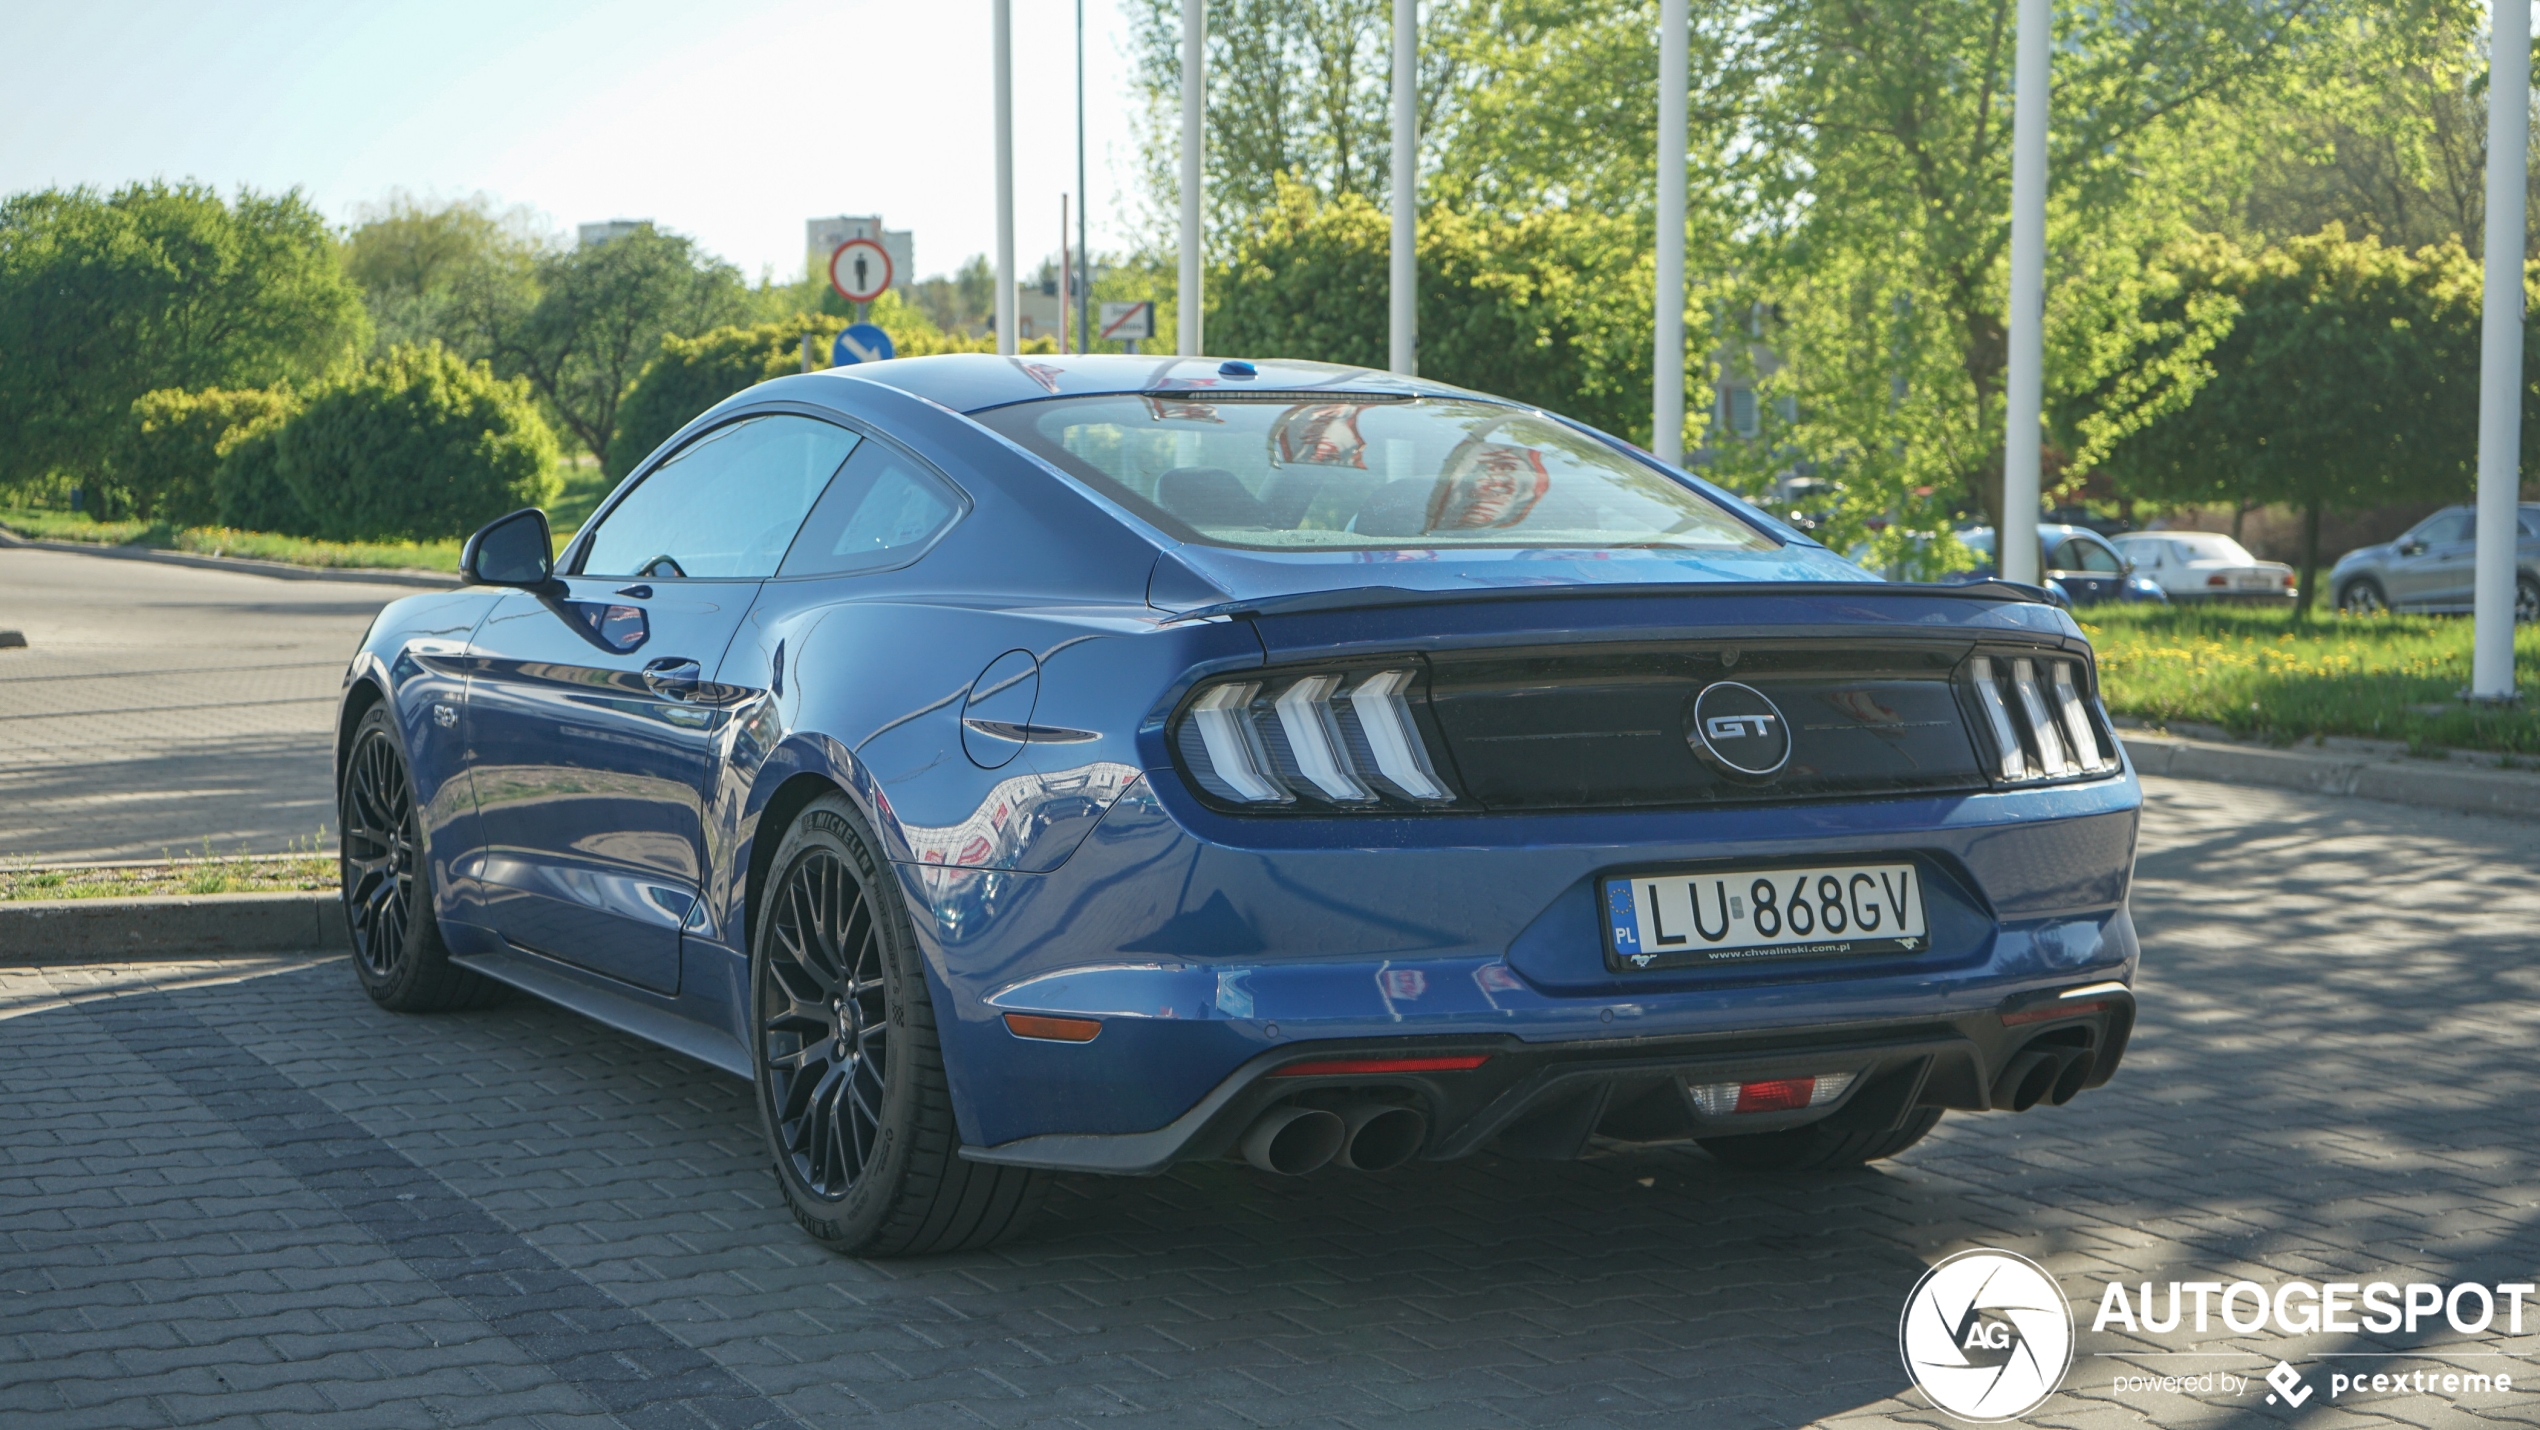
<point>1292,1141</point>
<point>1380,1136</point>
<point>2075,1072</point>
<point>2028,1078</point>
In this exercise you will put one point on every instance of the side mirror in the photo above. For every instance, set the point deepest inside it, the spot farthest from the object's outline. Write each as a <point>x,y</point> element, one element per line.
<point>2412,548</point>
<point>514,550</point>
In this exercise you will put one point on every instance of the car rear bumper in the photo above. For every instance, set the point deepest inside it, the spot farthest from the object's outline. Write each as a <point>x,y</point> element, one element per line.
<point>1208,962</point>
<point>1548,1100</point>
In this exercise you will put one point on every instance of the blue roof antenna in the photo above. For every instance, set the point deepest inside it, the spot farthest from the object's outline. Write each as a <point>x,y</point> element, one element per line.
<point>1237,367</point>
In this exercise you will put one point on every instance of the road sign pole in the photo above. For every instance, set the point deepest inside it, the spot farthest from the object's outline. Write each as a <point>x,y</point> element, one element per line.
<point>1667,366</point>
<point>2491,665</point>
<point>1084,201</point>
<point>1405,280</point>
<point>1003,80</point>
<point>1194,92</point>
<point>2024,385</point>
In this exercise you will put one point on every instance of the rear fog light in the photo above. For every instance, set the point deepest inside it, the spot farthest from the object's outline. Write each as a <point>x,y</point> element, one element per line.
<point>1781,1094</point>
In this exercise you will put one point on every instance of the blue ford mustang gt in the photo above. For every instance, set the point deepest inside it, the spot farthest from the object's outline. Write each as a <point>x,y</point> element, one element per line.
<point>1098,763</point>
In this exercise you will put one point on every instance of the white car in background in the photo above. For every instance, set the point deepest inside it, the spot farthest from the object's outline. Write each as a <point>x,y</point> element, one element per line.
<point>2205,566</point>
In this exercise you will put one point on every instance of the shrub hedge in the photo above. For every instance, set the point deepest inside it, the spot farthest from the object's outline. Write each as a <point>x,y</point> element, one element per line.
<point>166,456</point>
<point>414,446</point>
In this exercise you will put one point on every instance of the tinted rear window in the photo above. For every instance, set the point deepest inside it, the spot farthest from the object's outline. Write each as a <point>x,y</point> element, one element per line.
<point>1287,472</point>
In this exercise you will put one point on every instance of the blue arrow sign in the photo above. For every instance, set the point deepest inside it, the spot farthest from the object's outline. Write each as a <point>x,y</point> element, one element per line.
<point>863,342</point>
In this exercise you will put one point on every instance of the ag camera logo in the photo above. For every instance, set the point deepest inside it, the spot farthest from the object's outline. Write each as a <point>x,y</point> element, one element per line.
<point>1986,1334</point>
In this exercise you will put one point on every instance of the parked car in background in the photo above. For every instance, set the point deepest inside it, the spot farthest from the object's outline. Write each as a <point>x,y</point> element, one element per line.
<point>2429,568</point>
<point>2072,560</point>
<point>1094,764</point>
<point>2205,566</point>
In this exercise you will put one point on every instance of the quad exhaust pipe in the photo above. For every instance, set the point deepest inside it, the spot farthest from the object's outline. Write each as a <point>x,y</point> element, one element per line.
<point>2049,1075</point>
<point>1362,1136</point>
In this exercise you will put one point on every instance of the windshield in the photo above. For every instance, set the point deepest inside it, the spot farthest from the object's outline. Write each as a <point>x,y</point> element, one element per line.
<point>1285,472</point>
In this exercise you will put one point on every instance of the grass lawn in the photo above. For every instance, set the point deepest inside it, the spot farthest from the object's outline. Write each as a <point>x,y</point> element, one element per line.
<point>583,489</point>
<point>2255,675</point>
<point>225,541</point>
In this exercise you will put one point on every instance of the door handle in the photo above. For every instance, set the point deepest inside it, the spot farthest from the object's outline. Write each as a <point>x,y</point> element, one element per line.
<point>674,677</point>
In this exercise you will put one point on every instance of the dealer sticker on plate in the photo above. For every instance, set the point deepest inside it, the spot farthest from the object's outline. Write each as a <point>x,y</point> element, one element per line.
<point>1722,916</point>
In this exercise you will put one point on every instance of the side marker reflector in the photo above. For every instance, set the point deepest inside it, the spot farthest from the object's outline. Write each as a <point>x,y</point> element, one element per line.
<point>2051,1010</point>
<point>1052,1030</point>
<point>1332,1066</point>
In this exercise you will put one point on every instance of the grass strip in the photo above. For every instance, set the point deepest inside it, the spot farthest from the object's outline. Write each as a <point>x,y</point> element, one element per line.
<point>2254,674</point>
<point>175,876</point>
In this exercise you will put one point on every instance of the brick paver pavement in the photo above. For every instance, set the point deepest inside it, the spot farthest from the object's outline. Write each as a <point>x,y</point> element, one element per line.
<point>239,1194</point>
<point>157,708</point>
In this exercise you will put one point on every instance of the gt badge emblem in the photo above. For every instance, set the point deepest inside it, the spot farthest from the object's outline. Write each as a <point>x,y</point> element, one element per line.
<point>1738,729</point>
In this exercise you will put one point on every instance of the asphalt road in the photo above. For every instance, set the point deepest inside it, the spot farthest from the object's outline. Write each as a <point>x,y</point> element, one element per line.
<point>241,1195</point>
<point>163,709</point>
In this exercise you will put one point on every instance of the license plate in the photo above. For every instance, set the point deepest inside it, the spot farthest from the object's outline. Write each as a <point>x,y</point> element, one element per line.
<point>2255,583</point>
<point>1727,916</point>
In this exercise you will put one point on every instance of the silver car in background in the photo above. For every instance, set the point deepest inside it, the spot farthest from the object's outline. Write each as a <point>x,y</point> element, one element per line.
<point>2429,568</point>
<point>2205,566</point>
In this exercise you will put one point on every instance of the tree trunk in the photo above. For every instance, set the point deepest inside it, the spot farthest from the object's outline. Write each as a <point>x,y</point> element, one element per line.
<point>2310,561</point>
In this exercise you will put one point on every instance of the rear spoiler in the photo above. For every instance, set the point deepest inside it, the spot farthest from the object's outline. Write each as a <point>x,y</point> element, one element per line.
<point>1359,598</point>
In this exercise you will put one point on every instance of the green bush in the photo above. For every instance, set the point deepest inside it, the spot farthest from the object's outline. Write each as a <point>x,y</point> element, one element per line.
<point>166,457</point>
<point>689,375</point>
<point>415,446</point>
<point>249,492</point>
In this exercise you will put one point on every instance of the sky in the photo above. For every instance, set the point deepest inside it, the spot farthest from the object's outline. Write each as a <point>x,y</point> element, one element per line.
<point>732,122</point>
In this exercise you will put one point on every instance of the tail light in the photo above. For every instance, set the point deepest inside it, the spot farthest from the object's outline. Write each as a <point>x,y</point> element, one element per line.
<point>1323,739</point>
<point>2037,712</point>
<point>2217,580</point>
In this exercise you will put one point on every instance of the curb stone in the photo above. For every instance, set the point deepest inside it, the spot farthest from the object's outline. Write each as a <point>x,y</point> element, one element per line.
<point>2426,783</point>
<point>281,570</point>
<point>168,925</point>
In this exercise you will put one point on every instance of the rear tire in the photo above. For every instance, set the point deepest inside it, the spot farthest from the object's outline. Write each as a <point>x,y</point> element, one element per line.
<point>1818,1147</point>
<point>387,881</point>
<point>850,1073</point>
<point>2362,596</point>
<point>2526,600</point>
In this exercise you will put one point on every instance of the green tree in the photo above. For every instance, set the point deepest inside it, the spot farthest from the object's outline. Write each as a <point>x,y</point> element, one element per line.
<point>104,298</point>
<point>1886,191</point>
<point>593,316</point>
<point>1298,90</point>
<point>417,445</point>
<point>166,456</point>
<point>416,260</point>
<point>2348,379</point>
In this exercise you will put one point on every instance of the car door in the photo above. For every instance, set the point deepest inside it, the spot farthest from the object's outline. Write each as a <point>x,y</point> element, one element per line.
<point>2452,567</point>
<point>594,709</point>
<point>2416,574</point>
<point>2088,569</point>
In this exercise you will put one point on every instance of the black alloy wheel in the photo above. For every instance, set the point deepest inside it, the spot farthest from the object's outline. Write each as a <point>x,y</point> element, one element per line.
<point>379,853</point>
<point>852,1089</point>
<point>2362,597</point>
<point>825,1024</point>
<point>387,883</point>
